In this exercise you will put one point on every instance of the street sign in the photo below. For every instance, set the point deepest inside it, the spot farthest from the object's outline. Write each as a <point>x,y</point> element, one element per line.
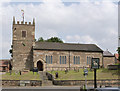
<point>95,63</point>
<point>85,72</point>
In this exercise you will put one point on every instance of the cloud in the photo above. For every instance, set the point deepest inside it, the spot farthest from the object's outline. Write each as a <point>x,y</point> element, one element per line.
<point>80,39</point>
<point>84,22</point>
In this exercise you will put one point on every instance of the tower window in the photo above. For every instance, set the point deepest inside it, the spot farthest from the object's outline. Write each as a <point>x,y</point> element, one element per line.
<point>23,33</point>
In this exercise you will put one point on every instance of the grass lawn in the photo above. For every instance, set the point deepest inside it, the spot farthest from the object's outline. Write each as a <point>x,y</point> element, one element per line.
<point>25,76</point>
<point>72,75</point>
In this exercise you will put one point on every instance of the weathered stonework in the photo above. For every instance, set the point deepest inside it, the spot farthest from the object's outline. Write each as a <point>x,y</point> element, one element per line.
<point>104,82</point>
<point>18,82</point>
<point>23,46</point>
<point>108,61</point>
<point>40,55</point>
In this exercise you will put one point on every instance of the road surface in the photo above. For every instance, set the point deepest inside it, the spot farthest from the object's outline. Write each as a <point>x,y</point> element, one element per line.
<point>56,88</point>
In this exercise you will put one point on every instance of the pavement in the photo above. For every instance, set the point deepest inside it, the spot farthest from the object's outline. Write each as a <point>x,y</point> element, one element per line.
<point>51,88</point>
<point>46,88</point>
<point>2,73</point>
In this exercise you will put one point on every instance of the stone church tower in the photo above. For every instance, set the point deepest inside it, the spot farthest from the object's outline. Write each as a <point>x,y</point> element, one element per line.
<point>23,41</point>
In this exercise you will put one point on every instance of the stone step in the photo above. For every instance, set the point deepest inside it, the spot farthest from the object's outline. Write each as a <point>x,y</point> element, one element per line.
<point>45,78</point>
<point>45,81</point>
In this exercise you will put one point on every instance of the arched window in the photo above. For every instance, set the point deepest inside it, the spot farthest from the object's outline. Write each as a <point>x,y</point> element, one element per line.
<point>48,59</point>
<point>63,59</point>
<point>89,60</point>
<point>60,59</point>
<point>76,60</point>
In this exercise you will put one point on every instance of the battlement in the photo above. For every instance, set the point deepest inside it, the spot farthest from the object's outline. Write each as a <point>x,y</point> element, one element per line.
<point>23,23</point>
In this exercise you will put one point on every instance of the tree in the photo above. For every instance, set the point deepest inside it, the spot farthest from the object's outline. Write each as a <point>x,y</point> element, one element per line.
<point>119,53</point>
<point>54,39</point>
<point>35,40</point>
<point>40,39</point>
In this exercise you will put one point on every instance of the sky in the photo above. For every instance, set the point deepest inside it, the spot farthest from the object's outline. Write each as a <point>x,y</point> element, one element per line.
<point>87,22</point>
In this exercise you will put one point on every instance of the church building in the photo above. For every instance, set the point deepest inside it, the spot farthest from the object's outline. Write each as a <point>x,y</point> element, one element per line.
<point>46,56</point>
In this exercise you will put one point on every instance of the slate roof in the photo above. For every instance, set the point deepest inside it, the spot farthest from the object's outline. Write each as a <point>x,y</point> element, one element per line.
<point>107,54</point>
<point>66,47</point>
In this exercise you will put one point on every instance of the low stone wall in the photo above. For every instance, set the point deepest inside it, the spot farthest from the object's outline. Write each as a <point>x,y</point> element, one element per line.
<point>63,68</point>
<point>106,82</point>
<point>21,83</point>
<point>113,67</point>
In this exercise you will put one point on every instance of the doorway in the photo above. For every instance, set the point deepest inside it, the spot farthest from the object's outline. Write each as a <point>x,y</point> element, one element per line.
<point>40,66</point>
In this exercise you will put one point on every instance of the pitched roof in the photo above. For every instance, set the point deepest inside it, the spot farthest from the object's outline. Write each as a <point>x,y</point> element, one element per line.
<point>66,47</point>
<point>107,54</point>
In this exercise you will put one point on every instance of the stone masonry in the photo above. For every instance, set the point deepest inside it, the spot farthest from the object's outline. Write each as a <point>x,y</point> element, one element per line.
<point>108,61</point>
<point>39,55</point>
<point>23,41</point>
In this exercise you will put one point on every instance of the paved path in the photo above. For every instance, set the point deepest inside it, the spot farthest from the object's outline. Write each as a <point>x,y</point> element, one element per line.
<point>44,78</point>
<point>2,73</point>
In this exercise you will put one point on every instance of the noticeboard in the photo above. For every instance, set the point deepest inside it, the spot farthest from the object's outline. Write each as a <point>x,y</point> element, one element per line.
<point>95,63</point>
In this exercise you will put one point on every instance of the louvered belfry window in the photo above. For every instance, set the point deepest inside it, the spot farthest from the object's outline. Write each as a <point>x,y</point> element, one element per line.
<point>23,33</point>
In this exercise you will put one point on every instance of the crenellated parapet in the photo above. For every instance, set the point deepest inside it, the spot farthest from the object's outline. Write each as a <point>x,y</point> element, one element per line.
<point>23,23</point>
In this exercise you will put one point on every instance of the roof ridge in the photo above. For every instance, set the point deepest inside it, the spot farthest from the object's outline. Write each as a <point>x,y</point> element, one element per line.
<point>66,43</point>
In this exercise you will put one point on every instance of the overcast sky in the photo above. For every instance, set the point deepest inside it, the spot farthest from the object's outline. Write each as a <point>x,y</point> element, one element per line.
<point>79,22</point>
